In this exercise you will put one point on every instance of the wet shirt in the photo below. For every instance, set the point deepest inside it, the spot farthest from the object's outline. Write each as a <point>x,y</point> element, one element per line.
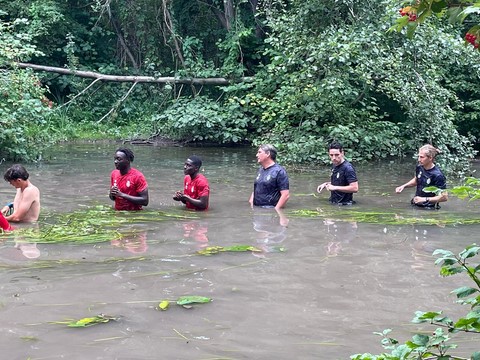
<point>4,224</point>
<point>268,184</point>
<point>196,188</point>
<point>426,178</point>
<point>342,175</point>
<point>132,183</point>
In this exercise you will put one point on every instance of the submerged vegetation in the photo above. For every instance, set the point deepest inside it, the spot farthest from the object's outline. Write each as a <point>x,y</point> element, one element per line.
<point>94,225</point>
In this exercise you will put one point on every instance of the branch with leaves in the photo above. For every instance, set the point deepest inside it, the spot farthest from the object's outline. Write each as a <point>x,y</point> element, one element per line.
<point>416,12</point>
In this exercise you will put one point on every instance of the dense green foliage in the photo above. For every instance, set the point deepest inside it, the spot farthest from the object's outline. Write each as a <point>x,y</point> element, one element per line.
<point>24,108</point>
<point>323,70</point>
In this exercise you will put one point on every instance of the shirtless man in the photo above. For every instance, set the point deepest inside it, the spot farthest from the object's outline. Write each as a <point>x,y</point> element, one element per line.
<point>26,205</point>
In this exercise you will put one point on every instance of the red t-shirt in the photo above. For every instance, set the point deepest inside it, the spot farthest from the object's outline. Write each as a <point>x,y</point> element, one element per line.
<point>132,183</point>
<point>4,224</point>
<point>196,188</point>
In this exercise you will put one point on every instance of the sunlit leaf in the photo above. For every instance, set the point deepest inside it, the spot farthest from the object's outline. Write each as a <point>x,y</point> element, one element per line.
<point>94,320</point>
<point>163,305</point>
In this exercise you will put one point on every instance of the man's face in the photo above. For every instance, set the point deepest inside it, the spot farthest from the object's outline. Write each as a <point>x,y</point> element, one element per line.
<point>120,160</point>
<point>16,183</point>
<point>189,168</point>
<point>424,159</point>
<point>336,156</point>
<point>262,155</point>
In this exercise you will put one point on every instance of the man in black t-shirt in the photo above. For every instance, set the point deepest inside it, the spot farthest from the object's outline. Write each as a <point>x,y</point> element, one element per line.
<point>343,181</point>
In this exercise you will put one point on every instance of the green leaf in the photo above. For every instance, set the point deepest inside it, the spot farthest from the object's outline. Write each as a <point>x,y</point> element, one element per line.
<point>90,321</point>
<point>185,300</point>
<point>469,252</point>
<point>464,291</point>
<point>475,355</point>
<point>240,248</point>
<point>439,6</point>
<point>163,305</point>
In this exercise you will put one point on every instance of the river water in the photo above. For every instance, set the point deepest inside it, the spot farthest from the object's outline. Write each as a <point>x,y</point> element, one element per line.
<point>318,289</point>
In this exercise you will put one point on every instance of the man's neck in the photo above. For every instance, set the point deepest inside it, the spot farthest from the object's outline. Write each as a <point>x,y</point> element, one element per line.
<point>125,171</point>
<point>24,185</point>
<point>268,163</point>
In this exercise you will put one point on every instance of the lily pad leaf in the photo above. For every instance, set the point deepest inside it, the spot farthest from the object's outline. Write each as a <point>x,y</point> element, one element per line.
<point>185,300</point>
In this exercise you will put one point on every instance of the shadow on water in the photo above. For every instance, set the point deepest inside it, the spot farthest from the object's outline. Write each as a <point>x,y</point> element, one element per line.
<point>323,280</point>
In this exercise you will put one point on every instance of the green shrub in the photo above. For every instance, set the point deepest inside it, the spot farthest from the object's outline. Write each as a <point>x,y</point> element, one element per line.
<point>202,120</point>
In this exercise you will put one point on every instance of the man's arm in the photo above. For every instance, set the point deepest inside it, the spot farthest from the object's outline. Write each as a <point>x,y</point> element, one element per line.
<point>412,182</point>
<point>201,203</point>
<point>350,188</point>
<point>141,199</point>
<point>284,195</point>
<point>434,199</point>
<point>23,206</point>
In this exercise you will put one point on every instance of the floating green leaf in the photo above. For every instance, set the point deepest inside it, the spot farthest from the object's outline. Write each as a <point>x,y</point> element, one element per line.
<point>185,300</point>
<point>240,248</point>
<point>163,305</point>
<point>235,248</point>
<point>89,321</point>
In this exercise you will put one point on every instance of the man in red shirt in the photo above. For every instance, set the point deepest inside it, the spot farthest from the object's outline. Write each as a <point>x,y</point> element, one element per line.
<point>196,191</point>
<point>128,187</point>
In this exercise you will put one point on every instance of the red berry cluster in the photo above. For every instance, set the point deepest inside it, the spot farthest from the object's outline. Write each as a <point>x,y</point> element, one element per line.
<point>472,39</point>
<point>408,11</point>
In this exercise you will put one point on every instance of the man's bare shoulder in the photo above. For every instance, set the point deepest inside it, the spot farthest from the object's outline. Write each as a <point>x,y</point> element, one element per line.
<point>32,191</point>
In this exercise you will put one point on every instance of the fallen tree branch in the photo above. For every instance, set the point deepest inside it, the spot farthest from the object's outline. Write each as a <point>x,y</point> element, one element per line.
<point>119,103</point>
<point>80,93</point>
<point>135,79</point>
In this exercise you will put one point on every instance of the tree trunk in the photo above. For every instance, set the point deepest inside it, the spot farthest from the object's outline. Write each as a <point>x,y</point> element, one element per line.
<point>138,79</point>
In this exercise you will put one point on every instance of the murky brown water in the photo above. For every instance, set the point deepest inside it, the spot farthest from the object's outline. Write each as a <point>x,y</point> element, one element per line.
<point>321,298</point>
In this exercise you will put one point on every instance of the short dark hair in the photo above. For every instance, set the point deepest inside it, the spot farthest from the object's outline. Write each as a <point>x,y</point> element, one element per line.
<point>335,145</point>
<point>271,150</point>
<point>128,153</point>
<point>196,160</point>
<point>15,172</point>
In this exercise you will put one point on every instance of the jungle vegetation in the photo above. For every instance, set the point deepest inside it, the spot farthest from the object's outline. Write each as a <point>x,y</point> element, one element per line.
<point>293,73</point>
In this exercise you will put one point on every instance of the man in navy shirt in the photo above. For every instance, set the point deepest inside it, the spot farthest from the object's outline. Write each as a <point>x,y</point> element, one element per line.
<point>343,181</point>
<point>271,187</point>
<point>427,174</point>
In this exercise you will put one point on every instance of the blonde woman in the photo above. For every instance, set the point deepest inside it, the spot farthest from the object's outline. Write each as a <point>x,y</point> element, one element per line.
<point>427,174</point>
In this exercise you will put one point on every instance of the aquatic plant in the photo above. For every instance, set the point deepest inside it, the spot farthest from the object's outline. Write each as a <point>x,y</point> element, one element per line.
<point>436,346</point>
<point>184,301</point>
<point>88,321</point>
<point>211,250</point>
<point>94,225</point>
<point>387,217</point>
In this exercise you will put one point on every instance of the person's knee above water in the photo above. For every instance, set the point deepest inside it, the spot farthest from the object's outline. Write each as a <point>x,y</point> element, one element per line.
<point>26,205</point>
<point>271,186</point>
<point>196,190</point>
<point>128,186</point>
<point>427,174</point>
<point>343,180</point>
